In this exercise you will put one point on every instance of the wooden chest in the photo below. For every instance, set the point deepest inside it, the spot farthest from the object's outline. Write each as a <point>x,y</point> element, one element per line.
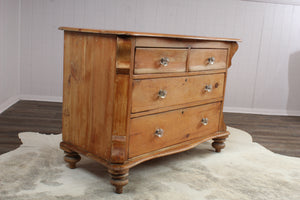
<point>130,97</point>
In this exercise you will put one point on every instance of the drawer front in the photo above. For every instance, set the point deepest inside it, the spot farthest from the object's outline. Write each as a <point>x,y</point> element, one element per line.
<point>156,60</point>
<point>207,59</point>
<point>153,132</point>
<point>151,94</point>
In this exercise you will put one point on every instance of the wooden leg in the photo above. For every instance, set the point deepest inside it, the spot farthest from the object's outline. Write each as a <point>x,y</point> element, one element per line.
<point>218,143</point>
<point>118,179</point>
<point>72,158</point>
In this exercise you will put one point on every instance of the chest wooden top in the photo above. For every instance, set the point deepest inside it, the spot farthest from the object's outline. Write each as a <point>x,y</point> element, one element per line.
<point>131,33</point>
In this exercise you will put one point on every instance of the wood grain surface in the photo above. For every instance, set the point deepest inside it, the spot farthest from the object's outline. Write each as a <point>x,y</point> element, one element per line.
<point>178,126</point>
<point>199,59</point>
<point>130,33</point>
<point>147,60</point>
<point>178,90</point>
<point>88,91</point>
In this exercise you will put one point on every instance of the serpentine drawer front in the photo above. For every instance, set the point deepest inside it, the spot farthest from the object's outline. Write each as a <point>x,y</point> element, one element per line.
<point>150,94</point>
<point>129,97</point>
<point>153,132</point>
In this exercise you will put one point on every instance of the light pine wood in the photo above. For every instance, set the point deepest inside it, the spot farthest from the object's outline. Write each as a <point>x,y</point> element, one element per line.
<point>178,74</point>
<point>199,59</point>
<point>159,42</point>
<point>222,125</point>
<point>232,49</point>
<point>155,35</point>
<point>88,91</point>
<point>174,107</point>
<point>117,94</point>
<point>178,126</point>
<point>121,111</point>
<point>123,62</point>
<point>120,119</point>
<point>180,147</point>
<point>180,90</point>
<point>147,60</point>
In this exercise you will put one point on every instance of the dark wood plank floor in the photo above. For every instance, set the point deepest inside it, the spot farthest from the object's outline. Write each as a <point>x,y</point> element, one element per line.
<point>280,134</point>
<point>35,116</point>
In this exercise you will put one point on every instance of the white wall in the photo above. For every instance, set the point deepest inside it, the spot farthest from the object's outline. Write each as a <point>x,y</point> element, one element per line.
<point>264,75</point>
<point>9,52</point>
<point>42,49</point>
<point>278,70</point>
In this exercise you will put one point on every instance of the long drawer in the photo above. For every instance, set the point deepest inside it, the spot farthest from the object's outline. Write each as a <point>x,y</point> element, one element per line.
<point>151,94</point>
<point>153,132</point>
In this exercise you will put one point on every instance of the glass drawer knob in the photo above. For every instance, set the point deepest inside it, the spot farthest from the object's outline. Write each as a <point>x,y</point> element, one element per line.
<point>162,94</point>
<point>208,88</point>
<point>204,121</point>
<point>159,132</point>
<point>164,61</point>
<point>211,60</point>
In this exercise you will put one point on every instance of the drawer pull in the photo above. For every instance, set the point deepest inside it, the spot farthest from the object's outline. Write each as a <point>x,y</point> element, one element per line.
<point>204,121</point>
<point>162,94</point>
<point>159,132</point>
<point>164,61</point>
<point>211,60</point>
<point>208,88</point>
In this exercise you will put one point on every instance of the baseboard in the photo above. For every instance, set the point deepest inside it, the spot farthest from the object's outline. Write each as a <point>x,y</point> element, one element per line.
<point>9,102</point>
<point>262,111</point>
<point>40,98</point>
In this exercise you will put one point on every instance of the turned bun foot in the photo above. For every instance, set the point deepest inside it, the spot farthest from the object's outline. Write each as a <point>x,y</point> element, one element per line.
<point>218,143</point>
<point>72,158</point>
<point>118,179</point>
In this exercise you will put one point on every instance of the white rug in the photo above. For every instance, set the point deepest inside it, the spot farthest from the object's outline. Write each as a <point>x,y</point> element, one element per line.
<point>244,170</point>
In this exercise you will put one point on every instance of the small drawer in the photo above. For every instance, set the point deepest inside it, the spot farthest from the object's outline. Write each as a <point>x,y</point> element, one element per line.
<point>153,132</point>
<point>207,59</point>
<point>149,94</point>
<point>156,60</point>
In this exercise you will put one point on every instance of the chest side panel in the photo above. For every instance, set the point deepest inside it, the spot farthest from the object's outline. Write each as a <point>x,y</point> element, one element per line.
<point>89,66</point>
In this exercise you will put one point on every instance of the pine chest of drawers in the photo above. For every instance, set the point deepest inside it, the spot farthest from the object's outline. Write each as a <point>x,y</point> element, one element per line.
<point>130,97</point>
